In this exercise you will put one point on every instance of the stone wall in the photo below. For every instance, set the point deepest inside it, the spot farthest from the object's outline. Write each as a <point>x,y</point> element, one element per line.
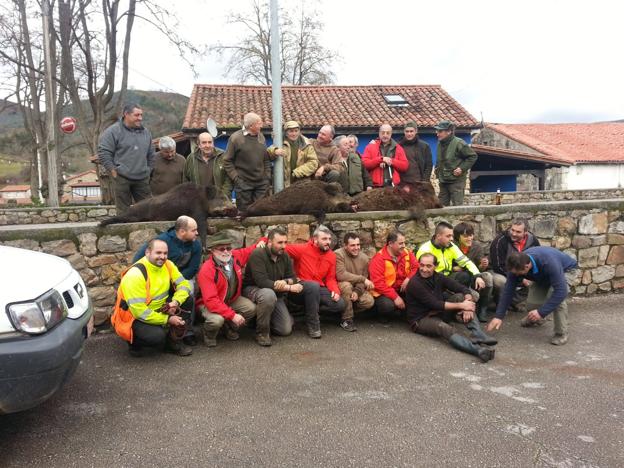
<point>590,231</point>
<point>508,198</point>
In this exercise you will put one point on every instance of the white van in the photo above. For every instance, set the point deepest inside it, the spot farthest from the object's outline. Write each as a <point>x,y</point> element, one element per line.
<point>44,318</point>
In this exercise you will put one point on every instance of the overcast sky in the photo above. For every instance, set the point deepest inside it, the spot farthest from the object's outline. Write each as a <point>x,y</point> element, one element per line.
<point>510,61</point>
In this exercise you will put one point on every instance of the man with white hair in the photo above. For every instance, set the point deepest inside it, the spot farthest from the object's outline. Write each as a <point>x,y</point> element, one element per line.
<point>329,166</point>
<point>385,159</point>
<point>168,167</point>
<point>247,163</point>
<point>204,166</point>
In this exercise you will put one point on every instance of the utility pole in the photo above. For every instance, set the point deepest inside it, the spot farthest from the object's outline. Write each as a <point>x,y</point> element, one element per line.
<point>276,93</point>
<point>50,97</point>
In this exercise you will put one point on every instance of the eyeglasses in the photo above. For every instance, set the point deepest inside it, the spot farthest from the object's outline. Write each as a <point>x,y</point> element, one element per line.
<point>224,248</point>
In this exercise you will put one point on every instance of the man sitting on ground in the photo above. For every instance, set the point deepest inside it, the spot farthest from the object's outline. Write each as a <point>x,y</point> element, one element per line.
<point>429,313</point>
<point>390,270</point>
<point>352,276</point>
<point>145,314</point>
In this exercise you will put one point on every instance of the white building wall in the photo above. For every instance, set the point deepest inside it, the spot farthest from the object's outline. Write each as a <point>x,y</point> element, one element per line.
<point>594,176</point>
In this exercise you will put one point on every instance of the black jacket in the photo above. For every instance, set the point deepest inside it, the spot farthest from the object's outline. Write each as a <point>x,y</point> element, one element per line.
<point>418,154</point>
<point>502,246</point>
<point>426,295</point>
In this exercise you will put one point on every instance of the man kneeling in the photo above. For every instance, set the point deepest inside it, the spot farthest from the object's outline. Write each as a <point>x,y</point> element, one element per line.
<point>429,314</point>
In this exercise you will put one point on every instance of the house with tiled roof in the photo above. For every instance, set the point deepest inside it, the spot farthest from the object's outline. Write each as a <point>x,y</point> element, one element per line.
<point>575,156</point>
<point>359,110</point>
<point>81,188</point>
<point>15,192</point>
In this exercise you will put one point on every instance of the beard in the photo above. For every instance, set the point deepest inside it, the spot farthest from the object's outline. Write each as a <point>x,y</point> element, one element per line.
<point>223,257</point>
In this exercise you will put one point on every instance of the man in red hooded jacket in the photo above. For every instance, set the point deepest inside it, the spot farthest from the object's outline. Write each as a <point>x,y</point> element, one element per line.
<point>384,159</point>
<point>220,281</point>
<point>315,265</point>
<point>390,270</point>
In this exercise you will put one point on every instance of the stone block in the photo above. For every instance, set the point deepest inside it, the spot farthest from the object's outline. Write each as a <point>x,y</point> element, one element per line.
<point>615,239</point>
<point>595,223</point>
<point>581,242</point>
<point>603,273</point>
<point>60,248</point>
<point>566,226</point>
<point>573,278</point>
<point>77,261</point>
<point>561,242</point>
<point>62,217</point>
<point>102,296</point>
<point>587,277</point>
<point>101,315</point>
<point>252,234</point>
<point>237,236</point>
<point>486,230</point>
<point>580,290</point>
<point>588,258</point>
<point>616,227</point>
<point>111,274</point>
<point>572,253</point>
<point>368,224</point>
<point>416,232</point>
<point>598,240</point>
<point>111,244</point>
<point>298,233</point>
<point>592,288</point>
<point>73,217</point>
<point>137,238</point>
<point>606,286</point>
<point>101,260</point>
<point>345,226</point>
<point>616,255</point>
<point>97,213</point>
<point>544,227</point>
<point>89,277</point>
<point>28,244</point>
<point>87,244</point>
<point>380,232</point>
<point>619,271</point>
<point>603,252</point>
<point>618,283</point>
<point>47,213</point>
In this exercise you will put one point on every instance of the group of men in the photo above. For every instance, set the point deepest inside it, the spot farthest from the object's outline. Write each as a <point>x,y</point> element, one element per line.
<point>244,169</point>
<point>448,279</point>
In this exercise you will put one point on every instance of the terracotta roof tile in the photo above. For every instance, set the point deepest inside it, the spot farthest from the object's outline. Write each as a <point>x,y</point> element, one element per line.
<point>577,143</point>
<point>15,188</point>
<point>313,106</point>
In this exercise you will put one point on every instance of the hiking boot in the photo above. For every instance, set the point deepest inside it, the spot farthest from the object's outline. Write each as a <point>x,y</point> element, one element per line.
<point>559,340</point>
<point>210,337</point>
<point>179,348</point>
<point>263,339</point>
<point>135,351</point>
<point>231,334</point>
<point>314,332</point>
<point>348,325</point>
<point>486,354</point>
<point>190,340</point>
<point>525,322</point>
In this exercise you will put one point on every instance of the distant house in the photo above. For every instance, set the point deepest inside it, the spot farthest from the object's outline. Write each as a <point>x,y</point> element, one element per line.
<point>15,194</point>
<point>81,188</point>
<point>571,156</point>
<point>358,110</point>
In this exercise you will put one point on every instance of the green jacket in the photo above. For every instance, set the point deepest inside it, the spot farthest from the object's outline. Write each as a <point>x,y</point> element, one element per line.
<point>355,178</point>
<point>453,152</point>
<point>307,160</point>
<point>221,180</point>
<point>446,256</point>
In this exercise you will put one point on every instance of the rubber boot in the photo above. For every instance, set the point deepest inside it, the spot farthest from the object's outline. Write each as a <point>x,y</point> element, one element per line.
<point>462,343</point>
<point>482,314</point>
<point>479,336</point>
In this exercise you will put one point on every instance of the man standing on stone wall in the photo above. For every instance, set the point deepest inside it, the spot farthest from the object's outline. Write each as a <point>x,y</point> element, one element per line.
<point>247,162</point>
<point>418,154</point>
<point>204,166</point>
<point>384,159</point>
<point>300,160</point>
<point>454,159</point>
<point>127,153</point>
<point>329,167</point>
<point>168,167</point>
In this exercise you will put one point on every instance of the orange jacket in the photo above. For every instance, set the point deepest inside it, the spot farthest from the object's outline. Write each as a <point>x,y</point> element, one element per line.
<point>387,274</point>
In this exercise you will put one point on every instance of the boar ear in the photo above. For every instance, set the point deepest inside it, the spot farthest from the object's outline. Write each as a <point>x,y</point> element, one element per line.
<point>333,188</point>
<point>210,192</point>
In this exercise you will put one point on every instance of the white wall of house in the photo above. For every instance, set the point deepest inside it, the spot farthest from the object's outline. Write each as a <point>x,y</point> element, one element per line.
<point>594,176</point>
<point>15,195</point>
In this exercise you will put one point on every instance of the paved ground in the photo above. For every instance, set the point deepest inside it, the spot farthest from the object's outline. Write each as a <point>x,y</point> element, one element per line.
<point>378,397</point>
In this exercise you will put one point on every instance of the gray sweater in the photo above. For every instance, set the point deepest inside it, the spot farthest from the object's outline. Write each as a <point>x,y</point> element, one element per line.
<point>127,150</point>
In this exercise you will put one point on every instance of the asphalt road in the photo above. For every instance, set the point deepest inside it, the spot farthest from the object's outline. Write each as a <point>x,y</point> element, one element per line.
<point>379,397</point>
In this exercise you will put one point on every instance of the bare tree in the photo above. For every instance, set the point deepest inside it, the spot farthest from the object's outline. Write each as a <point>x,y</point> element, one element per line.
<point>92,60</point>
<point>303,59</point>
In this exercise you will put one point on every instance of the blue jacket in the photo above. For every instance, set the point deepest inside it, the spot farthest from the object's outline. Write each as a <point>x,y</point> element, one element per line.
<point>185,255</point>
<point>548,269</point>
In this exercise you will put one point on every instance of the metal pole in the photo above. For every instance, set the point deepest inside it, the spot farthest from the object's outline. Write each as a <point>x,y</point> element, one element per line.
<point>276,88</point>
<point>53,199</point>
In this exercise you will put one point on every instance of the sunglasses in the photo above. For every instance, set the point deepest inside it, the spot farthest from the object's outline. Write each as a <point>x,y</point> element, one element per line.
<point>224,248</point>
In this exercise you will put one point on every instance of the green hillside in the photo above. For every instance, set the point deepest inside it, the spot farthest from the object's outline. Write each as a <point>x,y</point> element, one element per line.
<point>163,114</point>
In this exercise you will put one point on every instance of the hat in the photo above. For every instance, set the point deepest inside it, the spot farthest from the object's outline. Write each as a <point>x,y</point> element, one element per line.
<point>444,125</point>
<point>411,124</point>
<point>291,124</point>
<point>220,238</point>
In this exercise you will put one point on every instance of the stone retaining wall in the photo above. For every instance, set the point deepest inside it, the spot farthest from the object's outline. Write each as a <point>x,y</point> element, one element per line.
<point>13,216</point>
<point>590,231</point>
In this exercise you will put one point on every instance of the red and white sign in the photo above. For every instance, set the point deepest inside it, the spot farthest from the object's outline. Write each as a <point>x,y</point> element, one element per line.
<point>68,125</point>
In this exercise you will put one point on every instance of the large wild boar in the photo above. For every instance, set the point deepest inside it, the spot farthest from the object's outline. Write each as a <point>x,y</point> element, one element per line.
<point>416,197</point>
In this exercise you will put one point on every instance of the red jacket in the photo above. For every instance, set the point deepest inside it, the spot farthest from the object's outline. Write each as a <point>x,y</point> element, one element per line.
<point>313,265</point>
<point>372,158</point>
<point>388,275</point>
<point>213,292</point>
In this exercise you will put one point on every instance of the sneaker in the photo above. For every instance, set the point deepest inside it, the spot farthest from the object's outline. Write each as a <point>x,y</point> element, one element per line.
<point>178,348</point>
<point>263,339</point>
<point>348,325</point>
<point>190,340</point>
<point>231,335</point>
<point>559,340</point>
<point>314,333</point>
<point>525,322</point>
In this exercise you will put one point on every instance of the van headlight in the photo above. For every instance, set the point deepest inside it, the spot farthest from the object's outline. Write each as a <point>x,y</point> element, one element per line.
<point>40,315</point>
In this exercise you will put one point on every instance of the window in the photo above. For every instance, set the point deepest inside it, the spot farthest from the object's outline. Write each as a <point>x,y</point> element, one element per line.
<point>395,100</point>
